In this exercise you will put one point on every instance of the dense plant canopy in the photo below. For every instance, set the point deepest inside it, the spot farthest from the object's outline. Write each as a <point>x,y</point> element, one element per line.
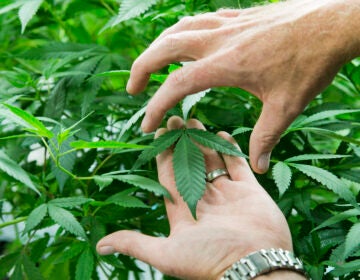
<point>75,166</point>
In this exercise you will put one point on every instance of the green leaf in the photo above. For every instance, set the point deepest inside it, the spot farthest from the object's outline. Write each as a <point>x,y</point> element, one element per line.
<point>38,248</point>
<point>67,50</point>
<point>352,239</point>
<point>75,249</point>
<point>324,115</point>
<point>17,274</point>
<point>159,145</point>
<point>134,118</point>
<point>241,130</point>
<point>103,181</point>
<point>189,169</point>
<point>66,220</point>
<point>125,200</point>
<point>27,11</point>
<point>338,218</point>
<point>331,134</point>
<point>313,157</point>
<point>85,265</point>
<point>143,183</point>
<point>7,263</point>
<point>30,269</point>
<point>105,145</point>
<point>10,7</point>
<point>35,217</point>
<point>14,170</point>
<point>345,268</point>
<point>69,202</point>
<point>29,122</point>
<point>132,8</point>
<point>282,176</point>
<point>327,179</point>
<point>190,100</point>
<point>114,73</point>
<point>214,142</point>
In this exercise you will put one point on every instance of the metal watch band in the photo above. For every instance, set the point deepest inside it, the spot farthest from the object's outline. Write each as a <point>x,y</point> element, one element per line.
<point>261,262</point>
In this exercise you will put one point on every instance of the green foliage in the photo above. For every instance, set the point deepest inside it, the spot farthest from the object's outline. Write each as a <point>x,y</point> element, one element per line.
<point>189,169</point>
<point>73,176</point>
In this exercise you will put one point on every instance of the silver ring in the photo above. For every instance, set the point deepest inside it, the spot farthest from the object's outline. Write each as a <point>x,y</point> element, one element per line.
<point>211,176</point>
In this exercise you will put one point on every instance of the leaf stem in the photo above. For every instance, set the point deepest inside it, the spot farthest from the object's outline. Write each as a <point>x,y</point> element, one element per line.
<point>13,222</point>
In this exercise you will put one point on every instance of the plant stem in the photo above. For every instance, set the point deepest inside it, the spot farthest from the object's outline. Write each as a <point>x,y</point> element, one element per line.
<point>13,222</point>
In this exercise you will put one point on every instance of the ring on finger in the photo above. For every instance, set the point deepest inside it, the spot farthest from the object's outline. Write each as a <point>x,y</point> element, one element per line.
<point>211,176</point>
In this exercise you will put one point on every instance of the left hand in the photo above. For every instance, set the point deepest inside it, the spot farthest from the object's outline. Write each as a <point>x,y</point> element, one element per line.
<point>236,216</point>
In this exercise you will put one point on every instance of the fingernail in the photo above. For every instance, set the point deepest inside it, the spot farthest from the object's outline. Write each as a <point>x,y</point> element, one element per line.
<point>106,250</point>
<point>263,162</point>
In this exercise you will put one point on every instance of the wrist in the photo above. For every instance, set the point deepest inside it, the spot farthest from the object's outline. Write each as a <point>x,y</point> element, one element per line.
<point>264,263</point>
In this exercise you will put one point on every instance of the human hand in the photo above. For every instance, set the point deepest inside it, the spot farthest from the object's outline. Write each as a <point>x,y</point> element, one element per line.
<point>236,216</point>
<point>285,54</point>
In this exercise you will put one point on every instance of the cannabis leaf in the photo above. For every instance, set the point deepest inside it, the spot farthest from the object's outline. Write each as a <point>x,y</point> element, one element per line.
<point>69,202</point>
<point>143,183</point>
<point>352,239</point>
<point>159,145</point>
<point>85,265</point>
<point>188,160</point>
<point>282,176</point>
<point>327,179</point>
<point>31,270</point>
<point>241,130</point>
<point>14,170</point>
<point>103,181</point>
<point>189,169</point>
<point>28,121</point>
<point>314,156</point>
<point>125,200</point>
<point>27,11</point>
<point>132,8</point>
<point>190,100</point>
<point>35,217</point>
<point>74,250</point>
<point>67,220</point>
<point>214,142</point>
<point>338,218</point>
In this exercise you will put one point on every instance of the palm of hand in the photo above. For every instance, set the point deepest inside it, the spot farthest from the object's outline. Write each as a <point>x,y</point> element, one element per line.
<point>235,217</point>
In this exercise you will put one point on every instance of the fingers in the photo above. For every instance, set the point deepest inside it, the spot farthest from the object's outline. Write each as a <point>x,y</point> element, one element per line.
<point>273,121</point>
<point>199,22</point>
<point>189,79</point>
<point>143,247</point>
<point>238,167</point>
<point>183,46</point>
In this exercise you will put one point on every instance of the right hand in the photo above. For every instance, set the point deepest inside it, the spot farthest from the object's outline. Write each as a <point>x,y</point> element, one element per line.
<point>285,54</point>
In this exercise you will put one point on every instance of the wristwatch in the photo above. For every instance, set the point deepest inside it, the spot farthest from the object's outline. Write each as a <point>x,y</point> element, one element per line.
<point>261,262</point>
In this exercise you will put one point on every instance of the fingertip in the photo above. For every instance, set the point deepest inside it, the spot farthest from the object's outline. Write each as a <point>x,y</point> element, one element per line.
<point>160,132</point>
<point>194,123</point>
<point>175,122</point>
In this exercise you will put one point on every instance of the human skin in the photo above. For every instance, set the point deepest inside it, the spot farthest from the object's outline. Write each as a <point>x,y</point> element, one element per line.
<point>285,54</point>
<point>235,217</point>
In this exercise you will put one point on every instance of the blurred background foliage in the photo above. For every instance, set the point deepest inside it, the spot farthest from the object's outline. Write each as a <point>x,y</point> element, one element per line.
<point>64,118</point>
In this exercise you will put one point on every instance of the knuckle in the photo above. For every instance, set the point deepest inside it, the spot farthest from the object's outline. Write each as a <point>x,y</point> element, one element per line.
<point>171,41</point>
<point>186,21</point>
<point>177,77</point>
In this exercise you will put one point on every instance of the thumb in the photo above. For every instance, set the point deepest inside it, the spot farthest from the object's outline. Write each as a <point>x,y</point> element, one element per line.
<point>273,121</point>
<point>143,247</point>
